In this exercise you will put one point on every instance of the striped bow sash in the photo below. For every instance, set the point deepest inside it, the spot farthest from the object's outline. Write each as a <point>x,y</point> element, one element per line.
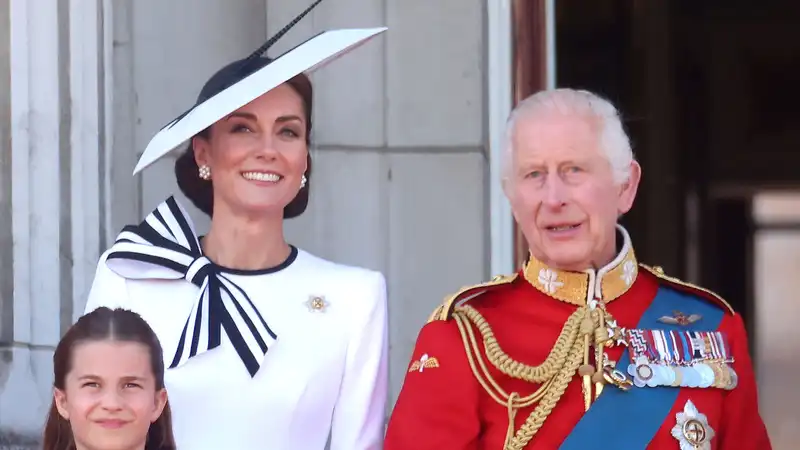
<point>165,246</point>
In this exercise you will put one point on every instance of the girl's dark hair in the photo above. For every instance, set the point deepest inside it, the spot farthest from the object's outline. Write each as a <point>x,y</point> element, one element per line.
<point>104,324</point>
<point>201,192</point>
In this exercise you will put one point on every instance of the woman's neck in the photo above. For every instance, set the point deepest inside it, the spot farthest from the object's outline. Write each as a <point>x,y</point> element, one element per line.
<point>244,244</point>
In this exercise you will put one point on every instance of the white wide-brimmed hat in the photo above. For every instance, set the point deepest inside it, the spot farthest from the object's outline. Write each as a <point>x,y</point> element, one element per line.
<point>261,75</point>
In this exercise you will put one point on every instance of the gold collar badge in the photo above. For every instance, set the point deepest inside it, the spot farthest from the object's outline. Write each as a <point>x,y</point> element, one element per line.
<point>578,288</point>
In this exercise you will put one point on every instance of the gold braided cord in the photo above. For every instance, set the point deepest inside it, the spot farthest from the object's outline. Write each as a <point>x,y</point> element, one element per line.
<point>486,379</point>
<point>551,398</point>
<point>599,355</point>
<point>515,369</point>
<point>553,375</point>
<point>512,401</point>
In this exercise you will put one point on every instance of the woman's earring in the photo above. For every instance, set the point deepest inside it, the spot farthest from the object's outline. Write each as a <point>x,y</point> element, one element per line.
<point>205,172</point>
<point>303,181</point>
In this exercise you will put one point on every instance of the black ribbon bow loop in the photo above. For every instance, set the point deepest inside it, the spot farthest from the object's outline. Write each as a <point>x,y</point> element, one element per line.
<point>165,246</point>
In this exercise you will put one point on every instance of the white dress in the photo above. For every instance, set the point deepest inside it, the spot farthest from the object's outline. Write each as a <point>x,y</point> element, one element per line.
<point>325,372</point>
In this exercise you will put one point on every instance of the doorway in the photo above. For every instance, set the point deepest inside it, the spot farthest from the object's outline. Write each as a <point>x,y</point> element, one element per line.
<point>776,283</point>
<point>708,95</point>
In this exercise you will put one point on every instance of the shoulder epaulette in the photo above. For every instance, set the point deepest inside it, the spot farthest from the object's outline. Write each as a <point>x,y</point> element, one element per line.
<point>445,310</point>
<point>688,287</point>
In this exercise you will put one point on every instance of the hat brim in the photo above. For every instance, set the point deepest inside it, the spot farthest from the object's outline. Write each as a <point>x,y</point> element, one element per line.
<point>305,58</point>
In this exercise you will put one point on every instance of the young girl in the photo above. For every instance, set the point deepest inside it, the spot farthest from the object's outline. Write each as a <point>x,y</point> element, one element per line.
<point>109,386</point>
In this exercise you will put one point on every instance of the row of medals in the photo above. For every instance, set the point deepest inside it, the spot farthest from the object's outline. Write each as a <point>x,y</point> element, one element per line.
<point>643,371</point>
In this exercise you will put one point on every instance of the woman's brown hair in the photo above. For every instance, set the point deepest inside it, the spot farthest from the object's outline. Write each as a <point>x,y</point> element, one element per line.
<point>104,324</point>
<point>200,191</point>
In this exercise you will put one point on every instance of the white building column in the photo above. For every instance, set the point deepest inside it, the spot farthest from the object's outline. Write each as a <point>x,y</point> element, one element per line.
<point>90,102</point>
<point>399,148</point>
<point>37,176</point>
<point>6,236</point>
<point>500,94</point>
<point>57,139</point>
<point>500,36</point>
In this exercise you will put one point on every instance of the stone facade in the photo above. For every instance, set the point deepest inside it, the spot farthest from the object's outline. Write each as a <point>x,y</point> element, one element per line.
<point>400,146</point>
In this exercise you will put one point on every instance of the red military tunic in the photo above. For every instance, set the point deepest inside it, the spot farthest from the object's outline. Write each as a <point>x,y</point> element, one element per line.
<point>442,405</point>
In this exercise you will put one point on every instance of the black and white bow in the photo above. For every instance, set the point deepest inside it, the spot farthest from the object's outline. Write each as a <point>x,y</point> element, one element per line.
<point>165,246</point>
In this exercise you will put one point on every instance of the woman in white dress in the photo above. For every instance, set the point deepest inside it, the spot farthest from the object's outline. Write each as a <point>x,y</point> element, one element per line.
<point>267,346</point>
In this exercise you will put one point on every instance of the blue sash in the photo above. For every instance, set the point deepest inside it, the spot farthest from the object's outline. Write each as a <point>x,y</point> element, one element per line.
<point>644,409</point>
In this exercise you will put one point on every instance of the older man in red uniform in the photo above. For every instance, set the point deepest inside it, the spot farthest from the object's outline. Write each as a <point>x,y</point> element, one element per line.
<point>584,347</point>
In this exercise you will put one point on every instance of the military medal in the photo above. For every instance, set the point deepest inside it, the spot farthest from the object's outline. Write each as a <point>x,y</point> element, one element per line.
<point>614,376</point>
<point>720,376</point>
<point>678,377</point>
<point>641,371</point>
<point>676,358</point>
<point>734,379</point>
<point>706,375</point>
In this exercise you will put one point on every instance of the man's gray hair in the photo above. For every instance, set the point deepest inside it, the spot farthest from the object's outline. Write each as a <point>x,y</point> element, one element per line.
<point>613,140</point>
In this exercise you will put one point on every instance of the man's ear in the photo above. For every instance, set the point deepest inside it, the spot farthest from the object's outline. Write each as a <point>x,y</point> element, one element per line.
<point>628,189</point>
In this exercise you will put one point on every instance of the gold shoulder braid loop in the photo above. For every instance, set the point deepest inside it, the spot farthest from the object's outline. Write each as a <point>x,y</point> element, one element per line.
<point>569,354</point>
<point>445,310</point>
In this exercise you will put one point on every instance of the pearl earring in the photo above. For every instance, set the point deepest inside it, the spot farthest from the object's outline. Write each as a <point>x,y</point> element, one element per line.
<point>205,172</point>
<point>303,181</point>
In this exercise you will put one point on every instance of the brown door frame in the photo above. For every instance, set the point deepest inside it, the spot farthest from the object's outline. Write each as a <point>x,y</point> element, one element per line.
<point>529,26</point>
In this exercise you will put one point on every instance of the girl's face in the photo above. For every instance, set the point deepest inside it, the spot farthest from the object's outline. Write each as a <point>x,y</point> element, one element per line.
<point>110,396</point>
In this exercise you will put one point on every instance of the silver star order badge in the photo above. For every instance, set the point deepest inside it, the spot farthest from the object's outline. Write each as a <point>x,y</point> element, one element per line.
<point>692,429</point>
<point>317,303</point>
<point>615,333</point>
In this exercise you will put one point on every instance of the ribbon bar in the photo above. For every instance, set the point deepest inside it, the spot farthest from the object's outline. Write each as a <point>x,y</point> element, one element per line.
<point>680,358</point>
